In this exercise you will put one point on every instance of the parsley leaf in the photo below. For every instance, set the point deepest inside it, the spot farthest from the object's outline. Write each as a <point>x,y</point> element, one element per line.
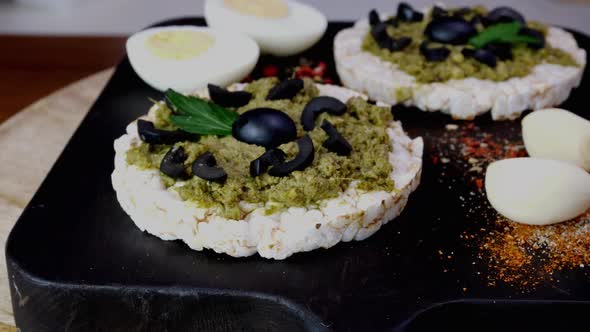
<point>198,116</point>
<point>503,33</point>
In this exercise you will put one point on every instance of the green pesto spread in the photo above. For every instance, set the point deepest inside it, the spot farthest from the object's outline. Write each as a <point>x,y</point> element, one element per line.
<point>456,66</point>
<point>363,125</point>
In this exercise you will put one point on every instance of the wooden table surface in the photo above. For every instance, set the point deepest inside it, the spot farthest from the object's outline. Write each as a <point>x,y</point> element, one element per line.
<point>33,67</point>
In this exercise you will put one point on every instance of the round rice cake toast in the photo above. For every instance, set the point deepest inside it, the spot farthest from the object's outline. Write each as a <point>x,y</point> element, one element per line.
<point>353,215</point>
<point>547,85</point>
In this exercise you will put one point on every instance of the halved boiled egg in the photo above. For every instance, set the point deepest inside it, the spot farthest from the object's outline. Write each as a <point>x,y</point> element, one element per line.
<point>187,58</point>
<point>281,27</point>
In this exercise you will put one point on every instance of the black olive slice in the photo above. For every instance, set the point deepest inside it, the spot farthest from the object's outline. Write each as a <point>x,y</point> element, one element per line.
<point>391,21</point>
<point>396,44</point>
<point>318,105</point>
<point>438,12</point>
<point>478,19</point>
<point>460,12</point>
<point>257,167</point>
<point>205,167</point>
<point>405,12</point>
<point>504,15</point>
<point>502,50</point>
<point>303,159</point>
<point>379,32</point>
<point>286,89</point>
<point>266,127</point>
<point>468,52</point>
<point>173,163</point>
<point>450,30</point>
<point>374,18</point>
<point>434,54</point>
<point>272,157</point>
<point>482,55</point>
<point>226,98</point>
<point>336,142</point>
<point>149,134</point>
<point>486,57</point>
<point>535,34</point>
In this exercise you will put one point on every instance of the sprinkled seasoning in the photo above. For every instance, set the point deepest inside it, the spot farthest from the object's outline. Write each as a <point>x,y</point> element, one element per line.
<point>306,68</point>
<point>521,256</point>
<point>472,149</point>
<point>526,256</point>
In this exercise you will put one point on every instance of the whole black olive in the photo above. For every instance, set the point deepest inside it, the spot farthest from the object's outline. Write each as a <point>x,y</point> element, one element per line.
<point>374,18</point>
<point>319,105</point>
<point>486,57</point>
<point>173,163</point>
<point>271,157</point>
<point>504,15</point>
<point>336,142</point>
<point>205,167</point>
<point>303,159</point>
<point>149,134</point>
<point>286,89</point>
<point>405,12</point>
<point>434,54</point>
<point>450,30</point>
<point>226,98</point>
<point>266,127</point>
<point>438,12</point>
<point>538,35</point>
<point>502,50</point>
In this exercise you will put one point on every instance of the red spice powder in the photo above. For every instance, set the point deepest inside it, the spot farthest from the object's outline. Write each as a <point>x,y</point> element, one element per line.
<point>468,146</point>
<point>270,70</point>
<point>314,70</point>
<point>526,256</point>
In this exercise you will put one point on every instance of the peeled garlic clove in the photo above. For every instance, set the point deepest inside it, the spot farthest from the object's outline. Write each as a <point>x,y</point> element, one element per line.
<point>586,151</point>
<point>537,191</point>
<point>554,133</point>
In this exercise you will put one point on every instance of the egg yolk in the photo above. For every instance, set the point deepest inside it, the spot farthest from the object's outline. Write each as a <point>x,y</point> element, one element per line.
<point>179,45</point>
<point>260,8</point>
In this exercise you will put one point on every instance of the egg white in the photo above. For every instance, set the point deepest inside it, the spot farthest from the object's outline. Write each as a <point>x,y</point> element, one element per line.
<point>231,57</point>
<point>299,30</point>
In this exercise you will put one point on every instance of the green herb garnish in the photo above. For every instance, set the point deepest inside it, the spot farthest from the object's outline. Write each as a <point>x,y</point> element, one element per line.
<point>503,33</point>
<point>198,116</point>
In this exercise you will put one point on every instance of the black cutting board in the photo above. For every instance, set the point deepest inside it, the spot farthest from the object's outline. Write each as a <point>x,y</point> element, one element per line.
<point>76,262</point>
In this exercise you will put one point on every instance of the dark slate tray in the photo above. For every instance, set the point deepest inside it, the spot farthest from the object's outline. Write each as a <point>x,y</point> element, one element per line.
<point>76,262</point>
